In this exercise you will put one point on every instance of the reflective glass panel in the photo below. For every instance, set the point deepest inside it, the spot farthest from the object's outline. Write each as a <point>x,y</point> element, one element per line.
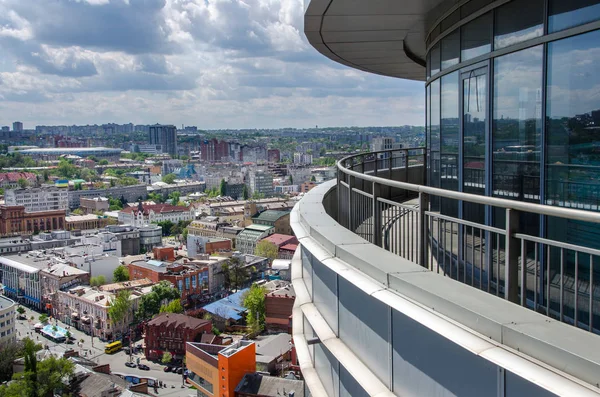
<point>435,139</point>
<point>450,49</point>
<point>434,59</point>
<point>566,14</point>
<point>472,6</point>
<point>517,21</point>
<point>449,140</point>
<point>476,37</point>
<point>450,20</point>
<point>474,86</point>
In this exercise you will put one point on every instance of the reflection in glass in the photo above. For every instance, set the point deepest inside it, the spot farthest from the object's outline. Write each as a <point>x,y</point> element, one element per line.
<point>472,6</point>
<point>435,139</point>
<point>517,21</point>
<point>434,58</point>
<point>474,88</point>
<point>449,140</point>
<point>450,49</point>
<point>516,129</point>
<point>476,37</point>
<point>566,14</point>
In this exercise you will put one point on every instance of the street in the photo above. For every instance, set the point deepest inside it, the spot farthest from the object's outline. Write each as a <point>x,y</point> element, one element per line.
<point>117,360</point>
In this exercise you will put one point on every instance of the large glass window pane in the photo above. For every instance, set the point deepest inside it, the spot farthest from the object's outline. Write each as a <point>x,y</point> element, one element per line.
<point>434,158</point>
<point>566,14</point>
<point>474,142</point>
<point>573,159</point>
<point>517,21</point>
<point>473,6</point>
<point>476,37</point>
<point>450,20</point>
<point>449,140</point>
<point>434,59</point>
<point>450,49</point>
<point>516,133</point>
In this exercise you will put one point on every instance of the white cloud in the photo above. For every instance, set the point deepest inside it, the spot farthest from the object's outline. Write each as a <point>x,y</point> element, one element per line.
<point>211,63</point>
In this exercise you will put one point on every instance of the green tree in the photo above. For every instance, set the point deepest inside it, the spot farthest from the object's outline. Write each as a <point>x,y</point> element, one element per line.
<point>128,181</point>
<point>103,162</point>
<point>254,302</point>
<point>23,183</point>
<point>223,188</point>
<point>313,179</point>
<point>238,274</point>
<point>43,318</point>
<point>166,227</point>
<point>21,310</point>
<point>120,306</point>
<point>46,175</point>
<point>169,178</point>
<point>245,194</point>
<point>150,304</point>
<point>166,358</point>
<point>114,204</point>
<point>291,179</point>
<point>266,249</point>
<point>77,211</point>
<point>172,307</point>
<point>66,169</point>
<point>121,273</point>
<point>97,281</point>
<point>175,196</point>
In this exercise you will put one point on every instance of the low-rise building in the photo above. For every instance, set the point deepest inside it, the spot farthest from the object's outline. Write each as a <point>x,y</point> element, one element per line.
<point>280,220</point>
<point>191,280</point>
<point>215,371</point>
<point>305,187</point>
<point>247,239</point>
<point>169,332</point>
<point>16,220</point>
<point>47,198</point>
<point>259,385</point>
<point>278,308</point>
<point>129,193</point>
<point>86,222</point>
<point>150,237</point>
<point>7,320</point>
<point>261,183</point>
<point>59,276</point>
<point>206,245</point>
<point>91,205</point>
<point>147,214</point>
<point>21,281</point>
<point>86,309</point>
<point>10,180</point>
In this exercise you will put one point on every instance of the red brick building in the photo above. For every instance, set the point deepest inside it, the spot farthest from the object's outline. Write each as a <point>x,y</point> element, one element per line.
<point>214,150</point>
<point>169,332</point>
<point>15,220</point>
<point>191,280</point>
<point>278,309</point>
<point>164,253</point>
<point>218,245</point>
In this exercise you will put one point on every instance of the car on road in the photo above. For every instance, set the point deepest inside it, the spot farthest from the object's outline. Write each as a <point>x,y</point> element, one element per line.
<point>167,369</point>
<point>130,364</point>
<point>144,367</point>
<point>179,370</point>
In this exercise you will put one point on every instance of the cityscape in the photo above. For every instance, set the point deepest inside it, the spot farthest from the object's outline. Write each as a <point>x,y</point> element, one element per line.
<point>328,198</point>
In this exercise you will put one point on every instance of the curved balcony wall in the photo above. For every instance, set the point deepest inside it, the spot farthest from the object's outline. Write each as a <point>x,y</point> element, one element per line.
<point>368,322</point>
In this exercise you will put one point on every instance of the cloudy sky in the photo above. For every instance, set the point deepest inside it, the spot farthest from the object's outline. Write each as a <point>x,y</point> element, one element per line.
<point>210,63</point>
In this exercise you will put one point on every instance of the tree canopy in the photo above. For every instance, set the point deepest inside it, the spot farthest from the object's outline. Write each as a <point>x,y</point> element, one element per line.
<point>169,178</point>
<point>121,273</point>
<point>172,307</point>
<point>150,304</point>
<point>97,281</point>
<point>254,301</point>
<point>120,306</point>
<point>266,249</point>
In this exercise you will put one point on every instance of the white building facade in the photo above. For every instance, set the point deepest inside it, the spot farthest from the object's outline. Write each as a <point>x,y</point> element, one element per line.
<point>39,198</point>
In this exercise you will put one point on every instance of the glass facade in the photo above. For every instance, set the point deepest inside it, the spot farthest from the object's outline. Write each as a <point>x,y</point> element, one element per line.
<point>517,116</point>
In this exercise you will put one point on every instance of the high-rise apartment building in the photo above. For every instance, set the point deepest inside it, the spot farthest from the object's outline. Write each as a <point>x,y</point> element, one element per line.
<point>38,198</point>
<point>165,135</point>
<point>468,266</point>
<point>215,150</point>
<point>261,183</point>
<point>17,126</point>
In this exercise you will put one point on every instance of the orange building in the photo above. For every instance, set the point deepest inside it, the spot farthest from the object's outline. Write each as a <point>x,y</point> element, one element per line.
<point>217,370</point>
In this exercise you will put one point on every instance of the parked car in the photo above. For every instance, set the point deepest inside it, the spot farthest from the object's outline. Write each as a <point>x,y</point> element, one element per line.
<point>144,367</point>
<point>167,369</point>
<point>130,364</point>
<point>179,370</point>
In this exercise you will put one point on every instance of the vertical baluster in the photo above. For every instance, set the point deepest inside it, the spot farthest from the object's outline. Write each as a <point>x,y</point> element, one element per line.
<point>439,242</point>
<point>497,264</point>
<point>535,275</point>
<point>548,262</point>
<point>591,291</point>
<point>430,264</point>
<point>562,281</point>
<point>523,273</point>
<point>472,256</point>
<point>576,290</point>
<point>451,248</point>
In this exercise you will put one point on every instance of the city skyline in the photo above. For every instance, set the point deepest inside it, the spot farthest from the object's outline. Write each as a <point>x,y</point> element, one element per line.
<point>217,65</point>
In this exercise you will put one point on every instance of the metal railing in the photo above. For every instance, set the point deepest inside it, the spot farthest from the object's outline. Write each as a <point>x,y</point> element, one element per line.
<point>382,196</point>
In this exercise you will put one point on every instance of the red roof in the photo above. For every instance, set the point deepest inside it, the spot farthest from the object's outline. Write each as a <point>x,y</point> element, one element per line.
<point>289,247</point>
<point>157,208</point>
<point>178,320</point>
<point>15,176</point>
<point>281,239</point>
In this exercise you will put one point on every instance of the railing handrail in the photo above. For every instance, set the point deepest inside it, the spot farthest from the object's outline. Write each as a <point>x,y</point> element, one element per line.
<point>541,209</point>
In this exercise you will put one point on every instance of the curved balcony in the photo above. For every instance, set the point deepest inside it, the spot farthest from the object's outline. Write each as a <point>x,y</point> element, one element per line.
<point>397,297</point>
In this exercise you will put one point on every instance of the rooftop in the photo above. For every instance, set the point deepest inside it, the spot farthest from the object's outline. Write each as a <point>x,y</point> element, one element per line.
<point>280,239</point>
<point>273,345</point>
<point>178,320</point>
<point>157,208</point>
<point>114,287</point>
<point>81,218</point>
<point>270,215</point>
<point>230,307</point>
<point>262,385</point>
<point>260,228</point>
<point>287,292</point>
<point>5,302</point>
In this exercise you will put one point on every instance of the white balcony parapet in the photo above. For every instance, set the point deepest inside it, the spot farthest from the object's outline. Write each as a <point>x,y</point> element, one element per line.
<point>555,356</point>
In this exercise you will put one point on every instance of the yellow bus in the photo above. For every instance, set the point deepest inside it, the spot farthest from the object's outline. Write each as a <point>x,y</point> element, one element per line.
<point>113,347</point>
